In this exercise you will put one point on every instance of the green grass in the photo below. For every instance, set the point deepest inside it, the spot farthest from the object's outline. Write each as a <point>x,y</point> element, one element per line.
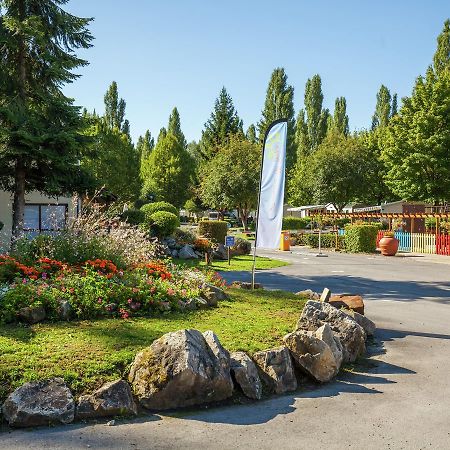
<point>244,262</point>
<point>88,353</point>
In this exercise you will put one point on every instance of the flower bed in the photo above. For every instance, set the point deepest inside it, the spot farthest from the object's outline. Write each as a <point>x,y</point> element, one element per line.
<point>97,288</point>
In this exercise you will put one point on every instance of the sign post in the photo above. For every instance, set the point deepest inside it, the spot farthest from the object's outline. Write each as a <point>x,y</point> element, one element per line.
<point>229,242</point>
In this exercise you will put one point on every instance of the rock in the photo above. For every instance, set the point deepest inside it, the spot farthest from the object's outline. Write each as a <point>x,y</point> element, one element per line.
<point>190,304</point>
<point>353,302</point>
<point>308,293</point>
<point>32,314</point>
<point>325,333</point>
<point>325,296</point>
<point>368,326</point>
<point>201,303</point>
<point>352,336</point>
<point>65,310</point>
<point>111,423</point>
<point>40,403</point>
<point>212,294</point>
<point>171,243</point>
<point>276,369</point>
<point>180,369</point>
<point>222,355</point>
<point>165,249</point>
<point>187,252</point>
<point>220,252</point>
<point>174,253</point>
<point>246,376</point>
<point>246,285</point>
<point>312,355</point>
<point>112,399</point>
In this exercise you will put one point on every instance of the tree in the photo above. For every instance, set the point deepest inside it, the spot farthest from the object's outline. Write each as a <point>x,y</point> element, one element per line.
<point>41,130</point>
<point>279,104</point>
<point>170,172</point>
<point>394,109</point>
<point>417,153</point>
<point>337,170</point>
<point>115,110</point>
<point>144,147</point>
<point>162,134</point>
<point>382,109</point>
<point>251,134</point>
<point>174,127</point>
<point>223,122</point>
<point>339,122</point>
<point>232,178</point>
<point>441,59</point>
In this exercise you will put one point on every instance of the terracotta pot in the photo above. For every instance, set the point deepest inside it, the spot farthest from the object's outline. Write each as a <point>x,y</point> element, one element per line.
<point>388,246</point>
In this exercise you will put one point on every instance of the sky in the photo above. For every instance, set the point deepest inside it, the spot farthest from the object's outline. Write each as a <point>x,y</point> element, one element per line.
<point>180,53</point>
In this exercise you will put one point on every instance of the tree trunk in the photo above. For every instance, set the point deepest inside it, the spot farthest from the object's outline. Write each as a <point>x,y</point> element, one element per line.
<point>19,201</point>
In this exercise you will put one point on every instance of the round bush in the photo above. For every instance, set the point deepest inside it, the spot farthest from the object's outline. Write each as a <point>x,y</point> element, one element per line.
<point>133,216</point>
<point>215,230</point>
<point>164,223</point>
<point>151,208</point>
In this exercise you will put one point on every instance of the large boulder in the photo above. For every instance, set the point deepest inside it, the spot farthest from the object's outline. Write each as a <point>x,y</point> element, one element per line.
<point>180,369</point>
<point>312,355</point>
<point>187,252</point>
<point>325,333</point>
<point>352,336</point>
<point>40,403</point>
<point>213,294</point>
<point>352,302</point>
<point>112,399</point>
<point>246,375</point>
<point>220,252</point>
<point>276,369</point>
<point>32,314</point>
<point>368,326</point>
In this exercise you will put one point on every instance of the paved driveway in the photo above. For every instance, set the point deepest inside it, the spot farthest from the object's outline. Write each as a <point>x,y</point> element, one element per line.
<point>400,399</point>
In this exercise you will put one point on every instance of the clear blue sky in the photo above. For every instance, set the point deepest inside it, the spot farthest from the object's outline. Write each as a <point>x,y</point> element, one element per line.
<point>166,53</point>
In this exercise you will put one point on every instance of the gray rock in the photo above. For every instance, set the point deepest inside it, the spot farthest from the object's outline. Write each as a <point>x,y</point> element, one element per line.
<point>201,303</point>
<point>368,326</point>
<point>165,249</point>
<point>325,296</point>
<point>246,285</point>
<point>220,252</point>
<point>312,355</point>
<point>187,252</point>
<point>174,253</point>
<point>325,333</point>
<point>222,355</point>
<point>246,375</point>
<point>179,369</point>
<point>65,310</point>
<point>308,293</point>
<point>171,243</point>
<point>212,294</point>
<point>40,403</point>
<point>32,314</point>
<point>276,369</point>
<point>352,336</point>
<point>190,304</point>
<point>112,399</point>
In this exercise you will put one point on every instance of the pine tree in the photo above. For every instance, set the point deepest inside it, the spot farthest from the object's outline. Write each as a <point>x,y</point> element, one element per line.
<point>145,145</point>
<point>382,109</point>
<point>115,110</point>
<point>394,109</point>
<point>441,59</point>
<point>251,134</point>
<point>162,134</point>
<point>223,122</point>
<point>339,123</point>
<point>41,129</point>
<point>174,127</point>
<point>279,104</point>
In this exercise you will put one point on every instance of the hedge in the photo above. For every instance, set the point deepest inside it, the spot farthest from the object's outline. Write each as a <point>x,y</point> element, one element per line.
<point>164,223</point>
<point>215,230</point>
<point>327,240</point>
<point>133,216</point>
<point>361,238</point>
<point>295,223</point>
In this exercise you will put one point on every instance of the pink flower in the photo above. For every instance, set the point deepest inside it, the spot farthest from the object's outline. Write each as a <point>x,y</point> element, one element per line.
<point>129,301</point>
<point>24,280</point>
<point>183,292</point>
<point>170,291</point>
<point>99,300</point>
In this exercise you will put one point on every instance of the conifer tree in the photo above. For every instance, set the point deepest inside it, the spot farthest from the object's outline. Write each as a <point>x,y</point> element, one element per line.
<point>251,134</point>
<point>279,104</point>
<point>223,122</point>
<point>145,145</point>
<point>162,134</point>
<point>41,130</point>
<point>174,127</point>
<point>394,109</point>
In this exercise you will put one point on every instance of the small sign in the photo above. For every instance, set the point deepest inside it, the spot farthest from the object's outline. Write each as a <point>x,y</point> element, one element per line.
<point>229,241</point>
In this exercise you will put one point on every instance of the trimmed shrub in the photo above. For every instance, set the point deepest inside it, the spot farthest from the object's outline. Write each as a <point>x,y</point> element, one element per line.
<point>361,238</point>
<point>342,222</point>
<point>164,223</point>
<point>241,247</point>
<point>133,216</point>
<point>295,223</point>
<point>215,230</point>
<point>184,236</point>
<point>151,208</point>
<point>327,240</point>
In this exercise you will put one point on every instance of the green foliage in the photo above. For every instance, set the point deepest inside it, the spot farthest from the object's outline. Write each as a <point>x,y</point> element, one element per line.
<point>115,110</point>
<point>361,238</point>
<point>251,134</point>
<point>295,223</point>
<point>327,240</point>
<point>230,179</point>
<point>170,172</point>
<point>133,216</point>
<point>150,208</point>
<point>144,147</point>
<point>441,59</point>
<point>279,104</point>
<point>215,230</point>
<point>174,127</point>
<point>223,123</point>
<point>184,236</point>
<point>382,113</point>
<point>339,122</point>
<point>342,222</point>
<point>164,223</point>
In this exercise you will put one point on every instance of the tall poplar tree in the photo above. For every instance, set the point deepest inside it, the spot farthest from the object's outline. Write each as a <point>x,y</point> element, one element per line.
<point>279,104</point>
<point>250,134</point>
<point>382,109</point>
<point>115,110</point>
<point>174,127</point>
<point>223,122</point>
<point>41,130</point>
<point>442,56</point>
<point>339,122</point>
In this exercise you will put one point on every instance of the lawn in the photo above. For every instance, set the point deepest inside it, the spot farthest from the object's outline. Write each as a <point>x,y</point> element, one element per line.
<point>244,262</point>
<point>88,353</point>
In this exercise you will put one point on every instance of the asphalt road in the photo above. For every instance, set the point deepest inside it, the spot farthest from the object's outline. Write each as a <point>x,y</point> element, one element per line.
<point>399,399</point>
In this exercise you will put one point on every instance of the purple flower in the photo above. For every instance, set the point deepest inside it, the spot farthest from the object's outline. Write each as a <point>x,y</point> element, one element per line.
<point>44,275</point>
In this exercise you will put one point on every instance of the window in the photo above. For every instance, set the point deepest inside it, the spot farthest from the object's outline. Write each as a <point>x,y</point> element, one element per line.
<point>44,218</point>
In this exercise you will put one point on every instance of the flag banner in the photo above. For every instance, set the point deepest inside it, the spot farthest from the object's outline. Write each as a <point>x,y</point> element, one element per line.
<point>271,195</point>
